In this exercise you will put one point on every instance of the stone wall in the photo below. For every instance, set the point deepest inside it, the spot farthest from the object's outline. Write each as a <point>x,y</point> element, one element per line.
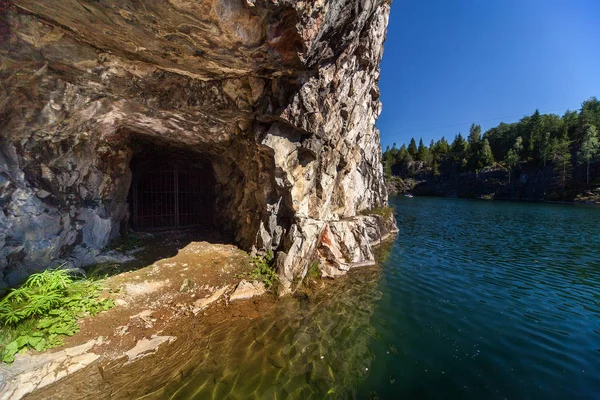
<point>280,96</point>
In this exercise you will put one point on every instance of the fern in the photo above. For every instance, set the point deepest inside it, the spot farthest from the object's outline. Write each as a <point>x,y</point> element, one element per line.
<point>18,295</point>
<point>44,309</point>
<point>11,316</point>
<point>50,280</point>
<point>39,304</point>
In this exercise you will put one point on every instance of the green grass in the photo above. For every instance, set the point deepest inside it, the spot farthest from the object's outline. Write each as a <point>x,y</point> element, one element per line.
<point>41,312</point>
<point>385,211</point>
<point>314,271</point>
<point>313,274</point>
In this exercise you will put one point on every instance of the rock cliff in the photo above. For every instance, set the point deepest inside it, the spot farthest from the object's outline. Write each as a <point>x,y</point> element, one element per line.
<point>279,97</point>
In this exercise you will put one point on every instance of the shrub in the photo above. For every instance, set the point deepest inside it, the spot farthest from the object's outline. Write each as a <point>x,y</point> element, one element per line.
<point>385,211</point>
<point>44,309</point>
<point>263,269</point>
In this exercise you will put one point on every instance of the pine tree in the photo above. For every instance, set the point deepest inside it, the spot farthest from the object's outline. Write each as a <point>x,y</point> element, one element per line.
<point>388,160</point>
<point>535,133</point>
<point>589,148</point>
<point>458,149</point>
<point>412,148</point>
<point>474,147</point>
<point>403,157</point>
<point>442,147</point>
<point>422,151</point>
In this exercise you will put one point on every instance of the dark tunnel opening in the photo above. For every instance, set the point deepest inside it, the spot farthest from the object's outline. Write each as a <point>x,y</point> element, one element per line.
<point>171,188</point>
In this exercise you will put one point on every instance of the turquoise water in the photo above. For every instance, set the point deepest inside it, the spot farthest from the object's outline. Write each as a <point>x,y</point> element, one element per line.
<point>488,300</point>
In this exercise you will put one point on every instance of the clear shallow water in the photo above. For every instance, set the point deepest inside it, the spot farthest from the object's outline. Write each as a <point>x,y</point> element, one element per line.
<point>472,300</point>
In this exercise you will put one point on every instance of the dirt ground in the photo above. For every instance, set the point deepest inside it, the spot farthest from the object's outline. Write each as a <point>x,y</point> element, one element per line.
<point>176,274</point>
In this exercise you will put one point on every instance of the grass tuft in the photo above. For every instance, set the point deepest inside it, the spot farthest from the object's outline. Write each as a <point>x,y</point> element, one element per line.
<point>385,211</point>
<point>313,274</point>
<point>314,271</point>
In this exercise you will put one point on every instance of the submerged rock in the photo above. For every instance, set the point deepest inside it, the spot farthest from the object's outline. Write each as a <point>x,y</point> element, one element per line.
<point>187,285</point>
<point>202,304</point>
<point>276,360</point>
<point>247,290</point>
<point>145,347</point>
<point>273,101</point>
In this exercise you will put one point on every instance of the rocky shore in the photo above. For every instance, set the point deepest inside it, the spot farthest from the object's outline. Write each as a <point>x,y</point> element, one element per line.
<point>160,297</point>
<point>200,281</point>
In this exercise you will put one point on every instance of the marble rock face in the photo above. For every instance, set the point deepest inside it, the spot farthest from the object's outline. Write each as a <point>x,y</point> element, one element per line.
<point>279,97</point>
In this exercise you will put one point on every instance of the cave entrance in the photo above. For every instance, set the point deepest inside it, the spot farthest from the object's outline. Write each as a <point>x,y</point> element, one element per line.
<point>171,194</point>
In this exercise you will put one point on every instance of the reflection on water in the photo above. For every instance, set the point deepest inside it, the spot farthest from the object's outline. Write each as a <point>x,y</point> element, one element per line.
<point>489,300</point>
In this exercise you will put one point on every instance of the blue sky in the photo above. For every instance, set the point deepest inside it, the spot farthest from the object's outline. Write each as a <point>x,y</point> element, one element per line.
<point>448,63</point>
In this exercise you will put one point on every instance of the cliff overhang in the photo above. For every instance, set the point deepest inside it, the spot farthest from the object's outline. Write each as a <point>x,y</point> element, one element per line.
<point>278,97</point>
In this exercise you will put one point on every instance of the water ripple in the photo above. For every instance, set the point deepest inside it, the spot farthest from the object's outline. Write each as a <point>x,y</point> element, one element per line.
<point>492,300</point>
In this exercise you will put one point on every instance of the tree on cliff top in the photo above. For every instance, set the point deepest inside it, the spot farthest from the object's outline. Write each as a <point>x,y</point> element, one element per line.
<point>486,157</point>
<point>458,149</point>
<point>422,151</point>
<point>561,155</point>
<point>474,147</point>
<point>412,148</point>
<point>568,146</point>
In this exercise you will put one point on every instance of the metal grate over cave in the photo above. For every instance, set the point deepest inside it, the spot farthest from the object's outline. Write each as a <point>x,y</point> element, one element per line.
<point>171,196</point>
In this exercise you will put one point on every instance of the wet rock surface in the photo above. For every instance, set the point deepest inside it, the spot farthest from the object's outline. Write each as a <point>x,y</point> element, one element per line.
<point>247,290</point>
<point>280,97</point>
<point>309,345</point>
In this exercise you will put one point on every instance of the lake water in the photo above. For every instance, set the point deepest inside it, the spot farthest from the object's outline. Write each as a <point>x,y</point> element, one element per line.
<point>488,300</point>
<point>472,300</point>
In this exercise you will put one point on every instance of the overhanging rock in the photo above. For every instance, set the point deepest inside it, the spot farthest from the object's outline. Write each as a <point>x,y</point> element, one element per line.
<point>279,97</point>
